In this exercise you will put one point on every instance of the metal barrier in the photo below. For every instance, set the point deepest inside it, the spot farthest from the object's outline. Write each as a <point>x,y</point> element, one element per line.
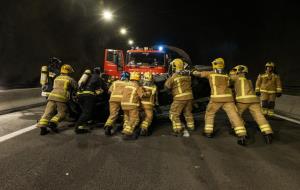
<point>289,106</point>
<point>17,99</point>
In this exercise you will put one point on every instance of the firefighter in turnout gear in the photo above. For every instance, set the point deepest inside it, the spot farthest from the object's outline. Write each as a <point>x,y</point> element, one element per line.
<point>90,86</point>
<point>57,108</point>
<point>148,103</point>
<point>116,93</point>
<point>130,103</point>
<point>48,74</point>
<point>180,85</point>
<point>221,97</point>
<point>246,99</point>
<point>268,86</point>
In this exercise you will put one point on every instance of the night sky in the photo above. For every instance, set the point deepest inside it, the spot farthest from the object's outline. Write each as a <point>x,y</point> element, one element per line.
<point>247,33</point>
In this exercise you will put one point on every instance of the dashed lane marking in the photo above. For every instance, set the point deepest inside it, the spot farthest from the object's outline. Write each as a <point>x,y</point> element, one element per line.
<point>17,133</point>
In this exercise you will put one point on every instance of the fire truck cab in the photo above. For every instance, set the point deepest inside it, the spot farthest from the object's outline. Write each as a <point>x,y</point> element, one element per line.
<point>140,59</point>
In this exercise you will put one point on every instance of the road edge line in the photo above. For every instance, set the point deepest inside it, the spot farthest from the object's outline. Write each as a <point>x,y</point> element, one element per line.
<point>16,133</point>
<point>287,118</point>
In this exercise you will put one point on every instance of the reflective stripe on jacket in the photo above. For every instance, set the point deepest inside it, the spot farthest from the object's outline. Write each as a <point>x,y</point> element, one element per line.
<point>181,87</point>
<point>219,85</point>
<point>62,87</point>
<point>243,88</point>
<point>149,101</point>
<point>268,83</point>
<point>131,96</point>
<point>116,89</point>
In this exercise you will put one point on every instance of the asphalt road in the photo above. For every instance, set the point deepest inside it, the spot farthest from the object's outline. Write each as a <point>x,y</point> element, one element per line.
<point>161,161</point>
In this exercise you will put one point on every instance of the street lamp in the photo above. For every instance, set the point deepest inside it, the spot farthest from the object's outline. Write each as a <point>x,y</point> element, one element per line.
<point>123,31</point>
<point>130,42</point>
<point>107,15</point>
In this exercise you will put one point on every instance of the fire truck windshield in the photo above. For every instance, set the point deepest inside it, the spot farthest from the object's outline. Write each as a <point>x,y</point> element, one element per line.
<point>145,59</point>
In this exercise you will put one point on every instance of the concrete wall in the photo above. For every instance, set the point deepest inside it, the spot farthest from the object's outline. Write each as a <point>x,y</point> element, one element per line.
<point>288,105</point>
<point>15,99</point>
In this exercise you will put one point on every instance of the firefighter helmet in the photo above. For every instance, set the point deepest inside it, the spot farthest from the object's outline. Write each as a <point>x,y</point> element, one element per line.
<point>270,64</point>
<point>148,76</point>
<point>241,69</point>
<point>125,75</point>
<point>177,64</point>
<point>66,69</point>
<point>233,71</point>
<point>218,63</point>
<point>135,76</point>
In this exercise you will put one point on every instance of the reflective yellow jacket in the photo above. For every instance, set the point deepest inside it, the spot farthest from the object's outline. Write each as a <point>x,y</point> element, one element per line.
<point>63,85</point>
<point>116,89</point>
<point>268,83</point>
<point>149,101</point>
<point>244,92</point>
<point>181,87</point>
<point>219,84</point>
<point>132,94</point>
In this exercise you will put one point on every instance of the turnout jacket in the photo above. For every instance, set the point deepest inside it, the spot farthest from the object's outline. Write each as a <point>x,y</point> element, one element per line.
<point>268,83</point>
<point>181,86</point>
<point>244,92</point>
<point>219,84</point>
<point>62,88</point>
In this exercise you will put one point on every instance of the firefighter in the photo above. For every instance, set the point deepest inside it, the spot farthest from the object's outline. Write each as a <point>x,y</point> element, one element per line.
<point>48,74</point>
<point>221,97</point>
<point>130,103</point>
<point>116,90</point>
<point>148,103</point>
<point>246,99</point>
<point>57,100</point>
<point>90,86</point>
<point>180,84</point>
<point>268,86</point>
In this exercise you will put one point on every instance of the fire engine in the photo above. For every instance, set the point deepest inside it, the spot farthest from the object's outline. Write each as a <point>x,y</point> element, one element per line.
<point>139,59</point>
<point>155,60</point>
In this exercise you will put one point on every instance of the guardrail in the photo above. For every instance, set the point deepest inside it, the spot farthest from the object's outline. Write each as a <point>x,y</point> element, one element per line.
<point>17,99</point>
<point>288,105</point>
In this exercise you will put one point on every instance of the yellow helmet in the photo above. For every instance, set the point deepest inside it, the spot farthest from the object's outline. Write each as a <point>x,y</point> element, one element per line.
<point>135,76</point>
<point>66,69</point>
<point>218,63</point>
<point>148,76</point>
<point>177,64</point>
<point>233,71</point>
<point>270,64</point>
<point>241,69</point>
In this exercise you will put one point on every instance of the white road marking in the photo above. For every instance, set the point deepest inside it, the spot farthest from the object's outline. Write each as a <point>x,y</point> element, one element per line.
<point>287,118</point>
<point>17,133</point>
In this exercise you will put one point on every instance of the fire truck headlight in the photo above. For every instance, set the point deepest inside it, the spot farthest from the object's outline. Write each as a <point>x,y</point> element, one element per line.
<point>160,48</point>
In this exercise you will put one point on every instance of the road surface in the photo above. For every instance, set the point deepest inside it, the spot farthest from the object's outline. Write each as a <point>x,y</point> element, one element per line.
<point>161,161</point>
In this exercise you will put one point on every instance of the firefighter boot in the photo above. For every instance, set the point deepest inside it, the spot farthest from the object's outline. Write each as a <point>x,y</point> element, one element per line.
<point>208,135</point>
<point>268,138</point>
<point>177,132</point>
<point>128,136</point>
<point>53,127</point>
<point>242,140</point>
<point>44,131</point>
<point>107,129</point>
<point>144,132</point>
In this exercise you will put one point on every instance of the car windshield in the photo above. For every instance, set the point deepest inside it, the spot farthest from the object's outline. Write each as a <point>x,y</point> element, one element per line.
<point>145,59</point>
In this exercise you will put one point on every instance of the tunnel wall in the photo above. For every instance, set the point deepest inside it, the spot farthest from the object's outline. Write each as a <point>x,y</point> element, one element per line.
<point>288,105</point>
<point>16,99</point>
